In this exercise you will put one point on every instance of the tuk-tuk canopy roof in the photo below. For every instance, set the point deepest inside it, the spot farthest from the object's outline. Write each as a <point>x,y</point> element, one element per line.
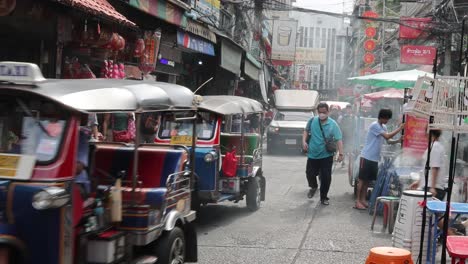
<point>230,105</point>
<point>110,95</point>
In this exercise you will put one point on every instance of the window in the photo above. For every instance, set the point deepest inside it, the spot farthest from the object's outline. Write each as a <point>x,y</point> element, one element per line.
<point>170,126</point>
<point>311,37</point>
<point>306,34</point>
<point>324,38</point>
<point>301,36</point>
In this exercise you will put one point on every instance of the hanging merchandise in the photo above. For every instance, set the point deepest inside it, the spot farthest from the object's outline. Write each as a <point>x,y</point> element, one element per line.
<point>139,48</point>
<point>73,69</point>
<point>149,56</point>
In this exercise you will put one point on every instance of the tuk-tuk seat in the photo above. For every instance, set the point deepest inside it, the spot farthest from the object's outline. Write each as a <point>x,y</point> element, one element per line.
<point>230,140</point>
<point>155,163</point>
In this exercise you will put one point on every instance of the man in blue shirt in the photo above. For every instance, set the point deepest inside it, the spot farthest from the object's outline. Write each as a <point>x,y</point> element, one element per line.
<point>370,155</point>
<point>320,161</point>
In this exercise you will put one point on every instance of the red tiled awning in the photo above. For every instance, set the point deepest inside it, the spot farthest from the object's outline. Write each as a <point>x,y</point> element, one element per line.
<point>99,8</point>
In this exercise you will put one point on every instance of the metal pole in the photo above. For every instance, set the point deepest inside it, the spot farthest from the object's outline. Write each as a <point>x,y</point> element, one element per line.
<point>453,157</point>
<point>383,37</point>
<point>135,157</point>
<point>426,179</point>
<point>460,57</point>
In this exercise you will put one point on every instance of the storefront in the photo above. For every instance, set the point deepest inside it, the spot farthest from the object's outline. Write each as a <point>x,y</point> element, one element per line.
<point>27,33</point>
<point>249,85</point>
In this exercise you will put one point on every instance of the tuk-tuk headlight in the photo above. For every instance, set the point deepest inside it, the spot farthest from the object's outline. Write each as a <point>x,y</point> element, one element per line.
<point>273,129</point>
<point>210,156</point>
<point>51,197</point>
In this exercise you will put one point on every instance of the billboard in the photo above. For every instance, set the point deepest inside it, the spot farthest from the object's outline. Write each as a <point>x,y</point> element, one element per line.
<point>311,55</point>
<point>283,46</point>
<point>424,55</point>
<point>208,10</point>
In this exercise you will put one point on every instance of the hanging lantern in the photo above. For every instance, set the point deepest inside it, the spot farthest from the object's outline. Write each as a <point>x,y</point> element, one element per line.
<point>370,32</point>
<point>369,58</point>
<point>370,14</point>
<point>369,45</point>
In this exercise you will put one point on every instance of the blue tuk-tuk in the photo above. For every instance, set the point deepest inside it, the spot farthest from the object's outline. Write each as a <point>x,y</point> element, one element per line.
<point>228,155</point>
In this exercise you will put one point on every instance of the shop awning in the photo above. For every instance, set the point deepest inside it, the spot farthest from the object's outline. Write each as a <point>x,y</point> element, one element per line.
<point>251,67</point>
<point>200,30</point>
<point>163,10</point>
<point>231,56</point>
<point>99,8</point>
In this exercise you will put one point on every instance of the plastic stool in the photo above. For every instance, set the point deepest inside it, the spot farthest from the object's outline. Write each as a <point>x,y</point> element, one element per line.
<point>457,247</point>
<point>389,255</point>
<point>389,208</point>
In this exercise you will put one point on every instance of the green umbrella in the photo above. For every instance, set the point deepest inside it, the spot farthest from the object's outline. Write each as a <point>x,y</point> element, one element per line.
<point>395,79</point>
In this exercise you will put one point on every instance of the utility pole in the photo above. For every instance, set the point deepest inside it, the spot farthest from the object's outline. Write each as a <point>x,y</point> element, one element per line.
<point>448,54</point>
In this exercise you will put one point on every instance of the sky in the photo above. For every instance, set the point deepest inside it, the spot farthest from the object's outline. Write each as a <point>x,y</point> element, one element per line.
<point>335,6</point>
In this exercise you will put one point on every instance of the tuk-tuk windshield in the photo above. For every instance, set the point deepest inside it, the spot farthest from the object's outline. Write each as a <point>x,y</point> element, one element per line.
<point>171,125</point>
<point>31,128</point>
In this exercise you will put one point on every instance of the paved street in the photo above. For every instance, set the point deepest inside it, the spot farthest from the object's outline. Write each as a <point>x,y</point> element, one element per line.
<point>289,228</point>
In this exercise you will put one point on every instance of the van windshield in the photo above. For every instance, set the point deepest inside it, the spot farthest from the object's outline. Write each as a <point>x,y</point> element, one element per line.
<point>39,135</point>
<point>293,116</point>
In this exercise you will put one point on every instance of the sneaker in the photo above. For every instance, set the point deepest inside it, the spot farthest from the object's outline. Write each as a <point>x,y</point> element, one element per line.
<point>311,192</point>
<point>325,202</point>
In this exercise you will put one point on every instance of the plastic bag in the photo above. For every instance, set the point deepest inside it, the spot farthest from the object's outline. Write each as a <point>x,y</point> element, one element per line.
<point>230,164</point>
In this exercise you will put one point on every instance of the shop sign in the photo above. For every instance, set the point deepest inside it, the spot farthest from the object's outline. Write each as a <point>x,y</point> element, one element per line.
<point>284,40</point>
<point>369,45</point>
<point>149,59</point>
<point>209,10</point>
<point>311,55</point>
<point>417,55</point>
<point>167,62</point>
<point>412,27</point>
<point>194,43</point>
<point>369,58</point>
<point>161,9</point>
<point>415,139</point>
<point>7,6</point>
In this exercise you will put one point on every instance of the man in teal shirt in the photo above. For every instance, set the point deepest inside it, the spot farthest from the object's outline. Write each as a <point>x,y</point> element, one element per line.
<point>320,161</point>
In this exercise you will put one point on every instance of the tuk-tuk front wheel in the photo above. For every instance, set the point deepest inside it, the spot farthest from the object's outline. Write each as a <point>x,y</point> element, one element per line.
<point>170,248</point>
<point>254,193</point>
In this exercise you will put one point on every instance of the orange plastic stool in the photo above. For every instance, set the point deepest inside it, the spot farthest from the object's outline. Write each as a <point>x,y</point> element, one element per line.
<point>389,255</point>
<point>457,247</point>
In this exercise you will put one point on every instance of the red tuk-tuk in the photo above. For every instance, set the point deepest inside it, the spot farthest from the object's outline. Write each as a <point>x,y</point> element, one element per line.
<point>137,207</point>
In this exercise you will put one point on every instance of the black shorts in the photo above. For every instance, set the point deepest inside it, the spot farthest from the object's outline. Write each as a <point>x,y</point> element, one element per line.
<point>368,170</point>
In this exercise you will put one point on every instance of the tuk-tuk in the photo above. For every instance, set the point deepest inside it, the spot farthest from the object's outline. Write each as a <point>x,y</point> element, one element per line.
<point>137,208</point>
<point>228,159</point>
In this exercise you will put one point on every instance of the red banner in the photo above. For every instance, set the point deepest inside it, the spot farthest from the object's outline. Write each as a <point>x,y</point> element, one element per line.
<point>415,138</point>
<point>412,27</point>
<point>417,55</point>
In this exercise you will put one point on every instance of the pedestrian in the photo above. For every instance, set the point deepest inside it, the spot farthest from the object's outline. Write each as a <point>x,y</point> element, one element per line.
<point>370,155</point>
<point>347,123</point>
<point>320,133</point>
<point>436,182</point>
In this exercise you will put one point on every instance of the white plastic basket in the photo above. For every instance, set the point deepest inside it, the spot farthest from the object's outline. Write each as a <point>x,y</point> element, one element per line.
<point>420,104</point>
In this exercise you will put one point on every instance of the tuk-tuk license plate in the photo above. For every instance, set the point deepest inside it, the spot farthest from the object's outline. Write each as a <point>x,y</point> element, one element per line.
<point>290,142</point>
<point>8,165</point>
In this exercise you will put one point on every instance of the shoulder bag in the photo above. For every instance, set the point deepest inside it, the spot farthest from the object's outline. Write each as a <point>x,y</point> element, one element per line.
<point>330,143</point>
